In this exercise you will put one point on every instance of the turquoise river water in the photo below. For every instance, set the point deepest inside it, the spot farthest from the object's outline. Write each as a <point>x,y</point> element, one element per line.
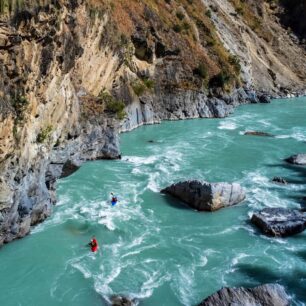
<point>153,248</point>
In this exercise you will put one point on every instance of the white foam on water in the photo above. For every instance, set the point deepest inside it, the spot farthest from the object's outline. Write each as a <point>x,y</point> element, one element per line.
<point>153,182</point>
<point>263,192</point>
<point>183,285</point>
<point>139,250</point>
<point>137,171</point>
<point>299,136</point>
<point>202,261</point>
<point>265,122</point>
<point>86,272</point>
<point>283,136</point>
<point>155,280</point>
<point>240,256</point>
<point>138,160</point>
<point>227,125</point>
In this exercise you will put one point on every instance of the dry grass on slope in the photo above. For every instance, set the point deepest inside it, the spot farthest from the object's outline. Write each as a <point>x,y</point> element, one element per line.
<point>183,25</point>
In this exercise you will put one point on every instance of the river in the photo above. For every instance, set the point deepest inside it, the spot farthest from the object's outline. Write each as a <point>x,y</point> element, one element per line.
<point>153,248</point>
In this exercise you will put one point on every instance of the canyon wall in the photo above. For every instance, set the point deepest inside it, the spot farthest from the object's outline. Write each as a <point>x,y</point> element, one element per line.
<point>74,74</point>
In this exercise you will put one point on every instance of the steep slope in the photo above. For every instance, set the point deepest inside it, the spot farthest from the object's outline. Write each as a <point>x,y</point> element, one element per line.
<point>76,73</point>
<point>270,58</point>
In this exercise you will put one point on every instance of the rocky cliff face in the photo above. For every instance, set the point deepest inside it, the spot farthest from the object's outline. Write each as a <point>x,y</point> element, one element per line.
<point>75,73</point>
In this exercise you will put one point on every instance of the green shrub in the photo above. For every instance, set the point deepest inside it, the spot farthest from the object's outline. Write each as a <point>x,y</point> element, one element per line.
<point>220,80</point>
<point>177,28</point>
<point>148,83</point>
<point>139,88</point>
<point>20,104</point>
<point>235,62</point>
<point>208,13</point>
<point>117,107</point>
<point>44,134</point>
<point>180,15</point>
<point>112,105</point>
<point>201,71</point>
<point>240,10</point>
<point>211,42</point>
<point>186,26</point>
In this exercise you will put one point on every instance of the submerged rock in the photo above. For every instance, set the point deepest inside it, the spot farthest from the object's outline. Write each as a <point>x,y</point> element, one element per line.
<point>270,294</point>
<point>279,180</point>
<point>205,196</point>
<point>298,159</point>
<point>279,221</point>
<point>118,300</point>
<point>258,133</point>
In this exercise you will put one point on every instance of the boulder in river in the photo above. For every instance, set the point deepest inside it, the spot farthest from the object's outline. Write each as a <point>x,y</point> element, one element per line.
<point>204,196</point>
<point>280,221</point>
<point>298,159</point>
<point>119,300</point>
<point>279,180</point>
<point>258,133</point>
<point>269,294</point>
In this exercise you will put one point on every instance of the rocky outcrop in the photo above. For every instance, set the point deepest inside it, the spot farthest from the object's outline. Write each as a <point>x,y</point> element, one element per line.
<point>204,196</point>
<point>279,221</point>
<point>119,300</point>
<point>298,159</point>
<point>258,133</point>
<point>270,294</point>
<point>279,180</point>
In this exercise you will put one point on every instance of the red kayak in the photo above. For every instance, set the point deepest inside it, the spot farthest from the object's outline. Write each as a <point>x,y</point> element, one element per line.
<point>94,245</point>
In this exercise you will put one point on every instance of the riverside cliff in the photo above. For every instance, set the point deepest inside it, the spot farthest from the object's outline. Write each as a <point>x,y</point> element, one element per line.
<point>74,74</point>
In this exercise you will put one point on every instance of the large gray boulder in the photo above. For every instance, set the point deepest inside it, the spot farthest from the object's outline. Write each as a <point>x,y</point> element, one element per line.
<point>298,159</point>
<point>265,295</point>
<point>205,196</point>
<point>279,221</point>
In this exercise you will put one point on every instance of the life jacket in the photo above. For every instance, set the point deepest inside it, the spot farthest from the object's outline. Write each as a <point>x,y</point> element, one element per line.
<point>94,245</point>
<point>114,199</point>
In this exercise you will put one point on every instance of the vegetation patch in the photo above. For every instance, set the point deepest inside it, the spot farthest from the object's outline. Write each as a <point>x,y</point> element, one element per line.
<point>44,134</point>
<point>221,80</point>
<point>143,85</point>
<point>112,105</point>
<point>20,104</point>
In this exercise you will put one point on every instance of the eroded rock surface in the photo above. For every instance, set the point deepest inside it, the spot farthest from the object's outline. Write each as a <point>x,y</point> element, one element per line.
<point>279,221</point>
<point>265,295</point>
<point>204,196</point>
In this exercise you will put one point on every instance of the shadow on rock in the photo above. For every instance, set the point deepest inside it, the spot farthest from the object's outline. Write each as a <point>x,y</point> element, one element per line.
<point>171,201</point>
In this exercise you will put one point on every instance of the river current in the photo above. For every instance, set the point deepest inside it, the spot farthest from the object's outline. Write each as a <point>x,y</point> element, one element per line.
<point>152,248</point>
